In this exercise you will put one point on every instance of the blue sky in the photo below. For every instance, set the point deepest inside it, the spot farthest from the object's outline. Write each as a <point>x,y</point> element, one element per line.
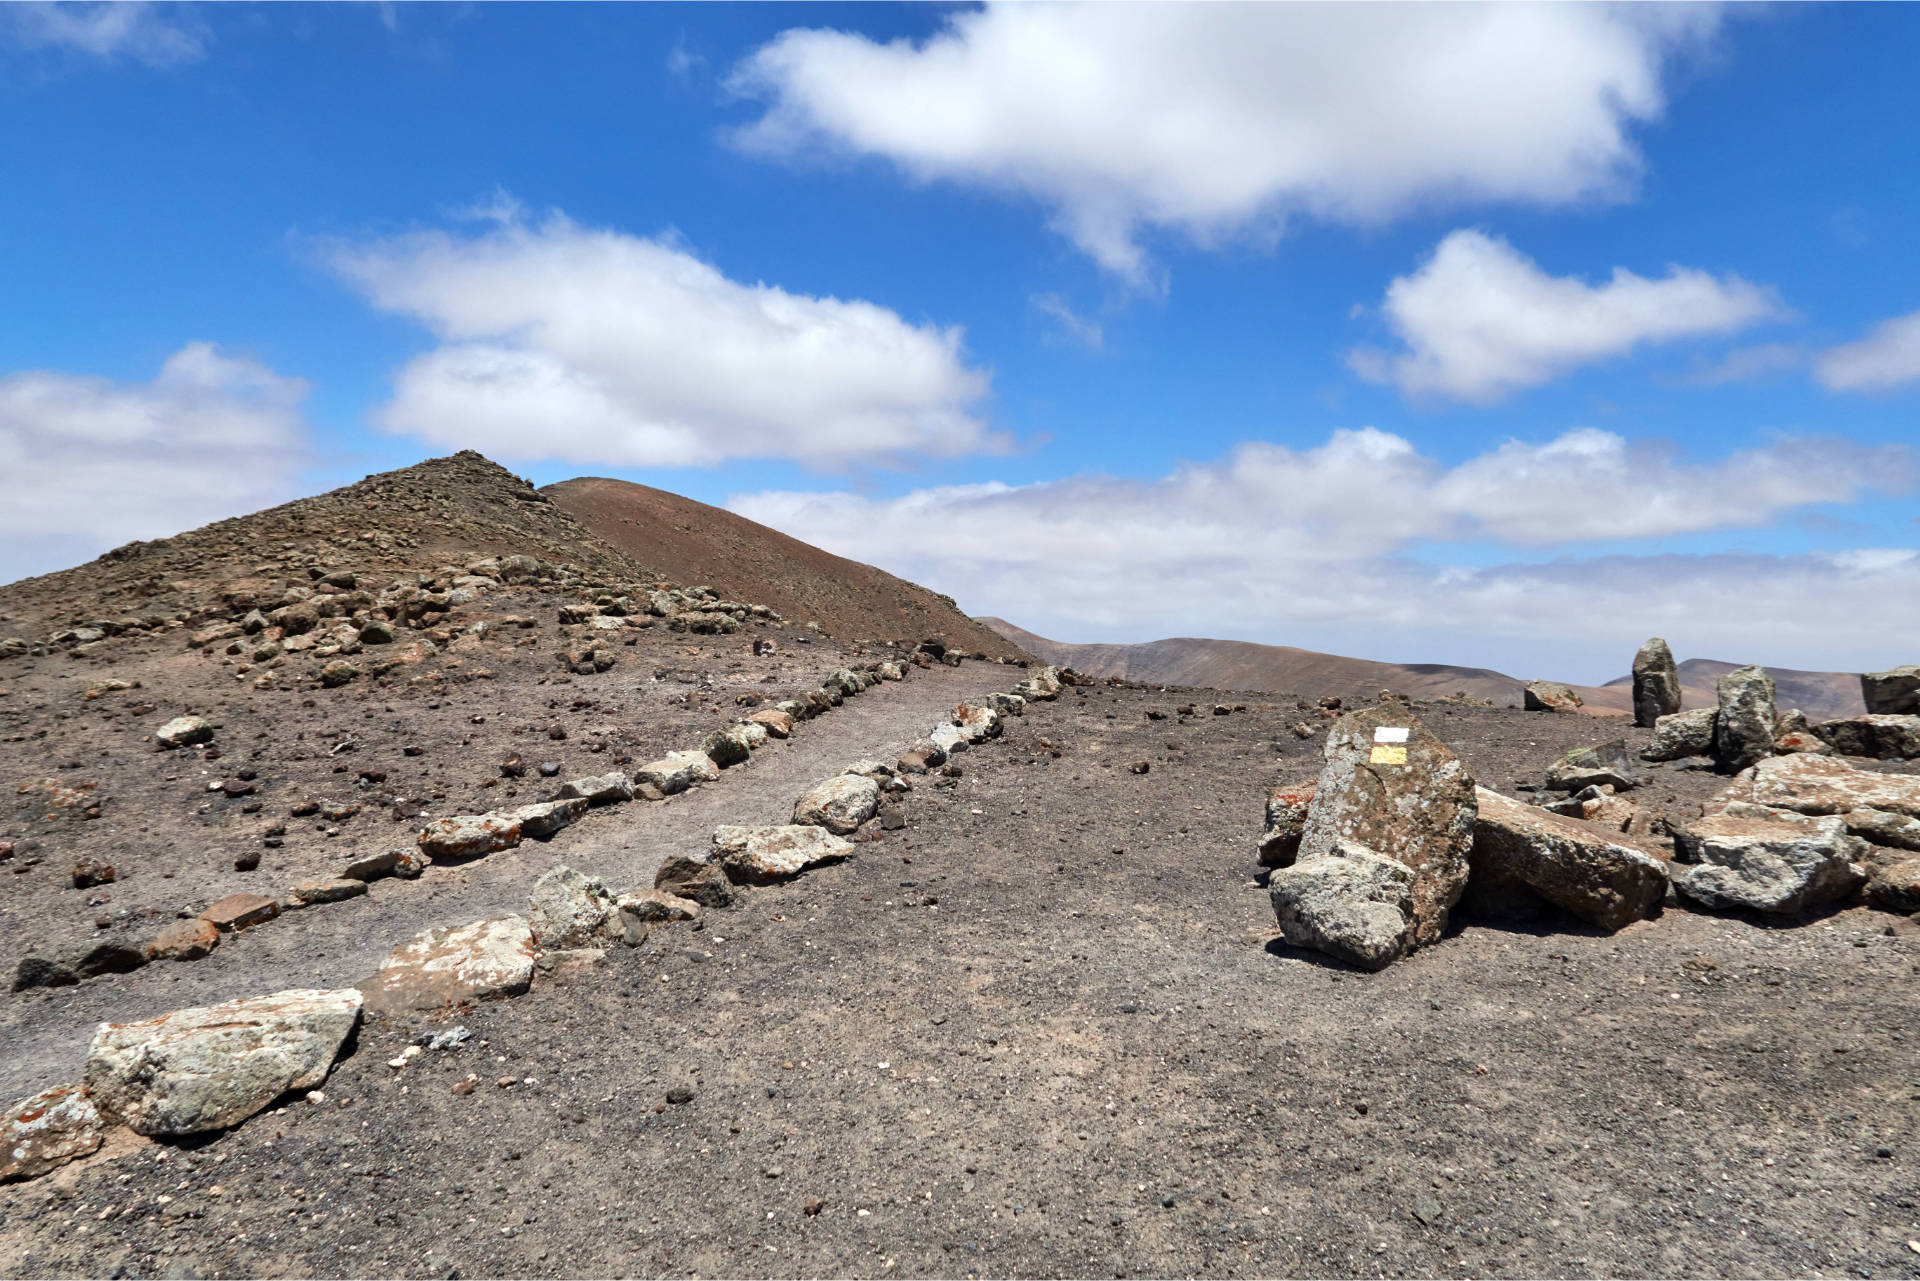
<point>1499,336</point>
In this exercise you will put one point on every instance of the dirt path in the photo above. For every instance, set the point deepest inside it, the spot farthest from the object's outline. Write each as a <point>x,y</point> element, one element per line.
<point>46,1031</point>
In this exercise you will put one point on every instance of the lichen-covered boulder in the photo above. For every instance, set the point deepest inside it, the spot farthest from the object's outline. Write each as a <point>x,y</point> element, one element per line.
<point>1767,859</point>
<point>840,804</point>
<point>1572,864</point>
<point>211,1067</point>
<point>1656,683</point>
<point>441,967</point>
<point>761,855</point>
<point>1682,734</point>
<point>677,771</point>
<point>43,1132</point>
<point>1391,787</point>
<point>1744,728</point>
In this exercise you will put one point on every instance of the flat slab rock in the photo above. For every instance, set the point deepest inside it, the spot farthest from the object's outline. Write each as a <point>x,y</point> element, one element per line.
<point>1391,787</point>
<point>478,962</point>
<point>42,1133</point>
<point>1570,863</point>
<point>677,771</point>
<point>757,855</point>
<point>213,1066</point>
<point>1822,785</point>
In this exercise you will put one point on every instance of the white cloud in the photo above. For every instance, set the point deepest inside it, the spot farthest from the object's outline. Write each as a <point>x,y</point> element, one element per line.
<point>1883,360</point>
<point>1212,119</point>
<point>1480,320</point>
<point>91,463</point>
<point>1073,326</point>
<point>1746,364</point>
<point>1346,546</point>
<point>567,342</point>
<point>143,32</point>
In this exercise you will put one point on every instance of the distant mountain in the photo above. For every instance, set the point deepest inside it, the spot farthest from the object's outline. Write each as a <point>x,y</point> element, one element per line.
<point>1243,665</point>
<point>745,560</point>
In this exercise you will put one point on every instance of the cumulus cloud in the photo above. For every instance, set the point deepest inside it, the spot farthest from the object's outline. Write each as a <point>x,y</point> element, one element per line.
<point>1355,544</point>
<point>1480,320</point>
<point>109,30</point>
<point>91,463</point>
<point>567,342</point>
<point>1208,120</point>
<point>1886,358</point>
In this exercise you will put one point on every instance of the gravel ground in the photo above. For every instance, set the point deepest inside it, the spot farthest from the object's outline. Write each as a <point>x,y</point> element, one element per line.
<point>1044,1030</point>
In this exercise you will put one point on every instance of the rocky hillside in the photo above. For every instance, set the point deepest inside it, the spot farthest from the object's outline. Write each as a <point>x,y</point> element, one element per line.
<point>442,511</point>
<point>1242,665</point>
<point>746,560</point>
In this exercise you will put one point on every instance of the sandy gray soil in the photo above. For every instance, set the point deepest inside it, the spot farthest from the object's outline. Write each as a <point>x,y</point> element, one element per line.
<point>1044,1031</point>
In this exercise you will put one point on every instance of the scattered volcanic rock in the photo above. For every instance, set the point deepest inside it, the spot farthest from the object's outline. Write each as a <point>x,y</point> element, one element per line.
<point>210,1067</point>
<point>1287,809</point>
<point>761,855</point>
<point>700,882</point>
<point>569,909</point>
<point>1656,683</point>
<point>1682,734</point>
<point>184,731</point>
<point>441,967</point>
<point>1349,902</point>
<point>1767,859</point>
<point>677,771</point>
<point>543,818</point>
<point>469,836</point>
<point>184,941</point>
<point>1602,766</point>
<point>602,789</point>
<point>840,804</point>
<point>1549,696</point>
<point>238,911</point>
<point>42,1133</point>
<point>1894,692</point>
<point>1393,788</point>
<point>1567,862</point>
<point>1883,736</point>
<point>1744,728</point>
<point>1822,785</point>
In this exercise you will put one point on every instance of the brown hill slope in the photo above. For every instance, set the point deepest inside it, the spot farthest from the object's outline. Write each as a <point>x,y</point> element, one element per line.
<point>442,511</point>
<point>747,561</point>
<point>1244,665</point>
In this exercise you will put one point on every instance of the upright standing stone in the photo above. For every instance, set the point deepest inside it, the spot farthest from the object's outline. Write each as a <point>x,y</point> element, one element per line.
<point>1391,786</point>
<point>1743,729</point>
<point>1656,683</point>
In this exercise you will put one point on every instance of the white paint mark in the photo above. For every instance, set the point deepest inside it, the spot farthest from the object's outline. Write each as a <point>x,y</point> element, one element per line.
<point>1390,734</point>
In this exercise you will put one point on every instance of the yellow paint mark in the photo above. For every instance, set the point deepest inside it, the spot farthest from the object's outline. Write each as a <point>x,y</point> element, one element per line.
<point>1388,756</point>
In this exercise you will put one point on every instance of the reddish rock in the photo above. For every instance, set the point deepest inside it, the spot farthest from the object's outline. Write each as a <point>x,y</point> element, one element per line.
<point>184,941</point>
<point>44,1132</point>
<point>238,911</point>
<point>1286,823</point>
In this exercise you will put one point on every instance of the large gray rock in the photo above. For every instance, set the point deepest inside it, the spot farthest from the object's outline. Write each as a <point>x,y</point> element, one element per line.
<point>1350,902</point>
<point>840,804</point>
<point>1570,863</point>
<point>1770,860</point>
<point>1883,736</point>
<point>43,1132</point>
<point>1043,684</point>
<point>442,967</point>
<point>980,723</point>
<point>1895,692</point>
<point>1682,734</point>
<point>1656,683</point>
<point>184,731</point>
<point>762,855</point>
<point>213,1066</point>
<point>1607,764</point>
<point>677,771</point>
<point>1889,831</point>
<point>602,789</point>
<point>569,909</point>
<point>1744,728</point>
<point>1823,785</point>
<point>1390,786</point>
<point>1895,887</point>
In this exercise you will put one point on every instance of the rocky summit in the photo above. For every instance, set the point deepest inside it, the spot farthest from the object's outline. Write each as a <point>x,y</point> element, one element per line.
<point>419,880</point>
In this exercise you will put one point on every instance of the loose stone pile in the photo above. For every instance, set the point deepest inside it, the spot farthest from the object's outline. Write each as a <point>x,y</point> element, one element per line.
<point>1370,858</point>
